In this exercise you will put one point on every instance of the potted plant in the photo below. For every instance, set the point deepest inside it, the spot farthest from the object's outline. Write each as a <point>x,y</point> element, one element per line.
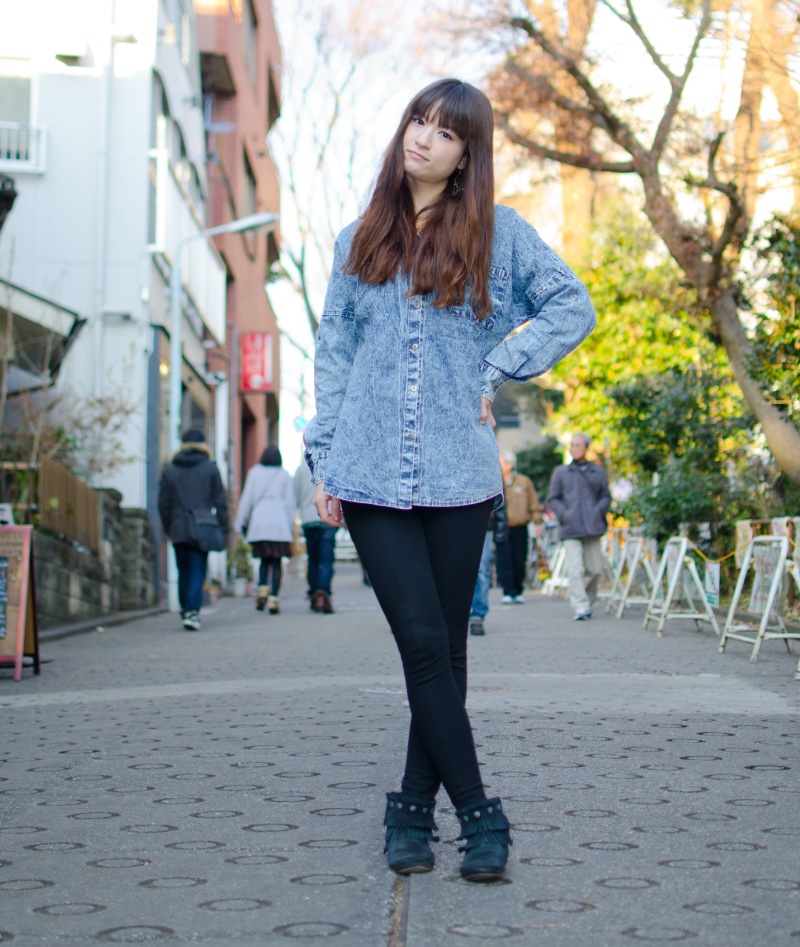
<point>241,567</point>
<point>214,589</point>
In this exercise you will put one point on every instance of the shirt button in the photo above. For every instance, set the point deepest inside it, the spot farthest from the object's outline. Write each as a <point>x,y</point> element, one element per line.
<point>410,436</point>
<point>414,347</point>
<point>413,387</point>
<point>415,304</point>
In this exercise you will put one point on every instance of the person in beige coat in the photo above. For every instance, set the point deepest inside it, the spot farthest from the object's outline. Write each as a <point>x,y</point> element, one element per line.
<point>522,507</point>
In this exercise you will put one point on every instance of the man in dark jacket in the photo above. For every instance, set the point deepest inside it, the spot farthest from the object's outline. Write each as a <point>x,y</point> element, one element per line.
<point>580,499</point>
<point>191,482</point>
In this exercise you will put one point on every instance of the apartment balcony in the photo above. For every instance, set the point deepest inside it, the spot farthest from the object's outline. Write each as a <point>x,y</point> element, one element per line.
<point>202,270</point>
<point>23,148</point>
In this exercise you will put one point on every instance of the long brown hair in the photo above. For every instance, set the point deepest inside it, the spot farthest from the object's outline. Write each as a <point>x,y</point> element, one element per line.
<point>453,251</point>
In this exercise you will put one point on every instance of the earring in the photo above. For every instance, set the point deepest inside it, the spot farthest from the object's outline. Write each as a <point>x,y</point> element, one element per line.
<point>456,190</point>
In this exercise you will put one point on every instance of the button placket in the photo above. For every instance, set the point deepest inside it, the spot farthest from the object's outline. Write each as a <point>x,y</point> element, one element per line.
<point>415,379</point>
<point>410,449</point>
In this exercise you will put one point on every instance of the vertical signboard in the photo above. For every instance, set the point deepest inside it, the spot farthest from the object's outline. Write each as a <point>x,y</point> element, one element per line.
<point>256,361</point>
<point>19,627</point>
<point>765,561</point>
<point>712,583</point>
<point>3,596</point>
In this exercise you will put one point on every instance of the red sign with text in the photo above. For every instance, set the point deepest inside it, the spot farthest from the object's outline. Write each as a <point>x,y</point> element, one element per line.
<point>256,361</point>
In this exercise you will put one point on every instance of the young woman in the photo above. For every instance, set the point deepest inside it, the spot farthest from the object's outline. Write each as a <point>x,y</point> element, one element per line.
<point>266,515</point>
<point>413,343</point>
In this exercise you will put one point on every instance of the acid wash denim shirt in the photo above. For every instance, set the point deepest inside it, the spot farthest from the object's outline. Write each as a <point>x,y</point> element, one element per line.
<point>398,381</point>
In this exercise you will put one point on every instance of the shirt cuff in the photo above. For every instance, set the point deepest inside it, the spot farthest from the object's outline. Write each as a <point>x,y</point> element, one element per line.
<point>491,379</point>
<point>316,464</point>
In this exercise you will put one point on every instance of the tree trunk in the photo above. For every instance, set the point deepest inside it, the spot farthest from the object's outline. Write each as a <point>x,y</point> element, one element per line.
<point>747,124</point>
<point>783,438</point>
<point>577,184</point>
<point>577,191</point>
<point>777,38</point>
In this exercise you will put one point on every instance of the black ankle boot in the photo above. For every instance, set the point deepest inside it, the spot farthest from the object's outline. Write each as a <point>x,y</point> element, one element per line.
<point>409,828</point>
<point>485,832</point>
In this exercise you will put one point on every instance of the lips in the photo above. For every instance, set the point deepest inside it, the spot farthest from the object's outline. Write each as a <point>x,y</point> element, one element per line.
<point>415,154</point>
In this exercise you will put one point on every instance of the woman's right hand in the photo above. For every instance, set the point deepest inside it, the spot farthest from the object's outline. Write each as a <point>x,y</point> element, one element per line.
<point>328,507</point>
<point>486,412</point>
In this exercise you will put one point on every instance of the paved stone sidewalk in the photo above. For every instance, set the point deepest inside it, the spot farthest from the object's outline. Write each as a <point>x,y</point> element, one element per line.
<point>226,787</point>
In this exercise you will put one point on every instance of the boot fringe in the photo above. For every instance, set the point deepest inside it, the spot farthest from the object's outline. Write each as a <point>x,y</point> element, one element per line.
<point>408,817</point>
<point>483,823</point>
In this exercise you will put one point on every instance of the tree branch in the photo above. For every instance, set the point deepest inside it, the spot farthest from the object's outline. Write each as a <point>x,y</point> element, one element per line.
<point>665,124</point>
<point>737,211</point>
<point>299,283</point>
<point>632,21</point>
<point>590,161</point>
<point>544,87</point>
<point>619,130</point>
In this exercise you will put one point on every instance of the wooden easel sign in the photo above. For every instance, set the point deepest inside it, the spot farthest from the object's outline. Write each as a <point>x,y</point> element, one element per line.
<point>19,626</point>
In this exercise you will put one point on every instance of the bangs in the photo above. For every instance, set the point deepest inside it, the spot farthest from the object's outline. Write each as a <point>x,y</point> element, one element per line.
<point>450,104</point>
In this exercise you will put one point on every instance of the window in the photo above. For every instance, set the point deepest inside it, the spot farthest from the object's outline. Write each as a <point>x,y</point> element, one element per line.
<point>15,99</point>
<point>22,144</point>
<point>248,188</point>
<point>247,202</point>
<point>250,26</point>
<point>15,90</point>
<point>273,103</point>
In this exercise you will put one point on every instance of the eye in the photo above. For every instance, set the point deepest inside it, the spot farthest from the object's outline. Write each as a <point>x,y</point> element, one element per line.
<point>416,120</point>
<point>447,135</point>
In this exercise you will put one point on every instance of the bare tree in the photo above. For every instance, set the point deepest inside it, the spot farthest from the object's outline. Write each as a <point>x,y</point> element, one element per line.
<point>680,159</point>
<point>323,143</point>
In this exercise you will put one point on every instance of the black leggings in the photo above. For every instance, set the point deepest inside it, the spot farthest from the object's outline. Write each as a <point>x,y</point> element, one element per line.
<point>423,565</point>
<point>264,568</point>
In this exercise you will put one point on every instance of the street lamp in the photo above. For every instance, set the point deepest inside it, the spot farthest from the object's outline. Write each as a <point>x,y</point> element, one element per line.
<point>262,221</point>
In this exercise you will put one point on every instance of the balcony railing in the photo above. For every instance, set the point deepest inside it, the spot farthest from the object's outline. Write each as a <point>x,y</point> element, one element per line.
<point>23,148</point>
<point>202,269</point>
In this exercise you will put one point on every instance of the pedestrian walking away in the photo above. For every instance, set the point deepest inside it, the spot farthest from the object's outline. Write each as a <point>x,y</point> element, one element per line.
<point>190,485</point>
<point>320,544</point>
<point>266,518</point>
<point>580,499</point>
<point>498,527</point>
<point>415,338</point>
<point>522,507</point>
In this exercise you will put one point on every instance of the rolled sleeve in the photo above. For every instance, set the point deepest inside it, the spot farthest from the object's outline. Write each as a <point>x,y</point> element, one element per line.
<point>491,379</point>
<point>550,304</point>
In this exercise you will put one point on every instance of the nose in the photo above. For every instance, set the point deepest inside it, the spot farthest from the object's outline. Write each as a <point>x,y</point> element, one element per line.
<point>424,137</point>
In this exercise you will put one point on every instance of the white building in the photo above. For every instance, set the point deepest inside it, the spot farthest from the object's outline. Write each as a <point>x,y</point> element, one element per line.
<point>101,128</point>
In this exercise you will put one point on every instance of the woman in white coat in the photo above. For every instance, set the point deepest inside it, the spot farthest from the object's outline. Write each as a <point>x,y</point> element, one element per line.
<point>266,518</point>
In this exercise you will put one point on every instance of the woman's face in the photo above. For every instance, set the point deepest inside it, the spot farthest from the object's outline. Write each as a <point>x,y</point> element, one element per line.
<point>431,152</point>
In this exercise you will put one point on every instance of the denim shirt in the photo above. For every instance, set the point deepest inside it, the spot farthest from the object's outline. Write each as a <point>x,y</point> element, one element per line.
<point>398,382</point>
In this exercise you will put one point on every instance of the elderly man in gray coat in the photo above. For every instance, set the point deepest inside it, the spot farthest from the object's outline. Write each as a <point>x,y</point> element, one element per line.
<point>580,499</point>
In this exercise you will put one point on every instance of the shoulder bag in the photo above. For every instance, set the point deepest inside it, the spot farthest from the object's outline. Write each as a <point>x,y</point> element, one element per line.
<point>203,527</point>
